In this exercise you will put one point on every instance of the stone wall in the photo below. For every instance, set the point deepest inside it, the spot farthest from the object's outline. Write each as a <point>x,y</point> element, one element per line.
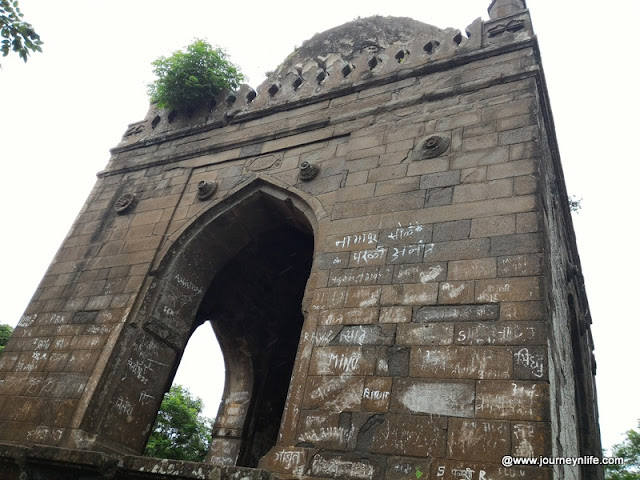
<point>443,321</point>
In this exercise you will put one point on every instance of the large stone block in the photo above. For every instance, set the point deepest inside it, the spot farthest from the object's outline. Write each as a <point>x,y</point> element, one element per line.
<point>341,361</point>
<point>479,440</point>
<point>411,435</point>
<point>461,362</point>
<point>513,400</point>
<point>449,398</point>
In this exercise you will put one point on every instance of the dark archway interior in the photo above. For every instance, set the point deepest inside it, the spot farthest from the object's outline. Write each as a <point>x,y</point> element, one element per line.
<point>254,305</point>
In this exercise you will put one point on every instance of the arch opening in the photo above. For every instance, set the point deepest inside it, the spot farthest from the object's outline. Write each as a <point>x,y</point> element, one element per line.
<point>254,306</point>
<point>243,266</point>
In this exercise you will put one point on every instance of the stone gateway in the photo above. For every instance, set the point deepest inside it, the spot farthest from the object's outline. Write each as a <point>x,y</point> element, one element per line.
<point>381,239</point>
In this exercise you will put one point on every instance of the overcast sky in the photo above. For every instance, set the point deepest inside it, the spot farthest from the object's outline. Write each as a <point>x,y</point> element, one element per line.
<point>61,112</point>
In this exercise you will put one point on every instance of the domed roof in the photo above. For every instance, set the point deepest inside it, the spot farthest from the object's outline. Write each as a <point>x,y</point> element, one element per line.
<point>369,34</point>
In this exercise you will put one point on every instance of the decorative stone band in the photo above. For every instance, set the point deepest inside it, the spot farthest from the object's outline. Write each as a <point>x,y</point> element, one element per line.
<point>378,49</point>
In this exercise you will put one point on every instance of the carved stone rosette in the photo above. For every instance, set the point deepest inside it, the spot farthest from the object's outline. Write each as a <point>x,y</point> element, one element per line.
<point>308,171</point>
<point>430,147</point>
<point>206,189</point>
<point>125,203</point>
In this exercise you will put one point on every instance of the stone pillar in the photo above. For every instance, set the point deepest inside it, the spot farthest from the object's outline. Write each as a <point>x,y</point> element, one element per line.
<point>504,8</point>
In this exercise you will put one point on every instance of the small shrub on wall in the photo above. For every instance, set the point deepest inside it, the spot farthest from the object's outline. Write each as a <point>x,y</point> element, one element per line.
<point>188,79</point>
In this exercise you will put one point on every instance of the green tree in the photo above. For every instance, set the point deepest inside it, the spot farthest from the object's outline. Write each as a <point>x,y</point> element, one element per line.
<point>5,333</point>
<point>189,79</point>
<point>629,450</point>
<point>181,432</point>
<point>17,35</point>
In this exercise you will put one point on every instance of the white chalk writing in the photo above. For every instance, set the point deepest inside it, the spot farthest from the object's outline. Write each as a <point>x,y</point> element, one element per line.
<point>404,232</point>
<point>41,343</point>
<point>27,320</point>
<point>123,406</point>
<point>465,473</point>
<point>56,319</point>
<point>375,394</point>
<point>490,294</point>
<point>532,361</point>
<point>289,459</point>
<point>144,364</point>
<point>333,434</point>
<point>183,282</point>
<point>354,279</point>
<point>40,434</point>
<point>98,329</point>
<point>337,468</point>
<point>369,238</point>
<point>366,256</point>
<point>432,274</point>
<point>452,291</point>
<point>355,335</point>
<point>145,398</point>
<point>345,363</point>
<point>399,253</point>
<point>319,338</point>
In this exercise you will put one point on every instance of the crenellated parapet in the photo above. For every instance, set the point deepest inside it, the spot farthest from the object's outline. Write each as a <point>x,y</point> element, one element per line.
<point>345,59</point>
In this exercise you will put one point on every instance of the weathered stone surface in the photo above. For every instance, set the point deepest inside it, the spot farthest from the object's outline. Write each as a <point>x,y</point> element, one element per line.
<point>501,333</point>
<point>522,311</point>
<point>530,439</point>
<point>376,394</point>
<point>456,293</point>
<point>460,313</point>
<point>365,335</point>
<point>327,465</point>
<point>349,316</point>
<point>409,294</point>
<point>409,435</point>
<point>400,468</point>
<point>324,430</point>
<point>472,269</point>
<point>456,469</point>
<point>337,393</point>
<point>289,460</point>
<point>512,400</point>
<point>519,289</point>
<point>461,362</point>
<point>51,462</point>
<point>453,399</point>
<point>392,317</point>
<point>360,276</point>
<point>425,334</point>
<point>411,234</point>
<point>479,440</point>
<point>362,296</point>
<point>422,273</point>
<point>395,314</point>
<point>519,266</point>
<point>341,361</point>
<point>530,363</point>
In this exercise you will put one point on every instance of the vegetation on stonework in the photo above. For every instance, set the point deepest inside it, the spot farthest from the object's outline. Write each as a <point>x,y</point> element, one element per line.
<point>181,431</point>
<point>629,450</point>
<point>17,35</point>
<point>5,333</point>
<point>575,204</point>
<point>191,78</point>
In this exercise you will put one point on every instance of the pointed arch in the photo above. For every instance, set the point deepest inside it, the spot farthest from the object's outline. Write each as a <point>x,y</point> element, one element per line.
<point>260,237</point>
